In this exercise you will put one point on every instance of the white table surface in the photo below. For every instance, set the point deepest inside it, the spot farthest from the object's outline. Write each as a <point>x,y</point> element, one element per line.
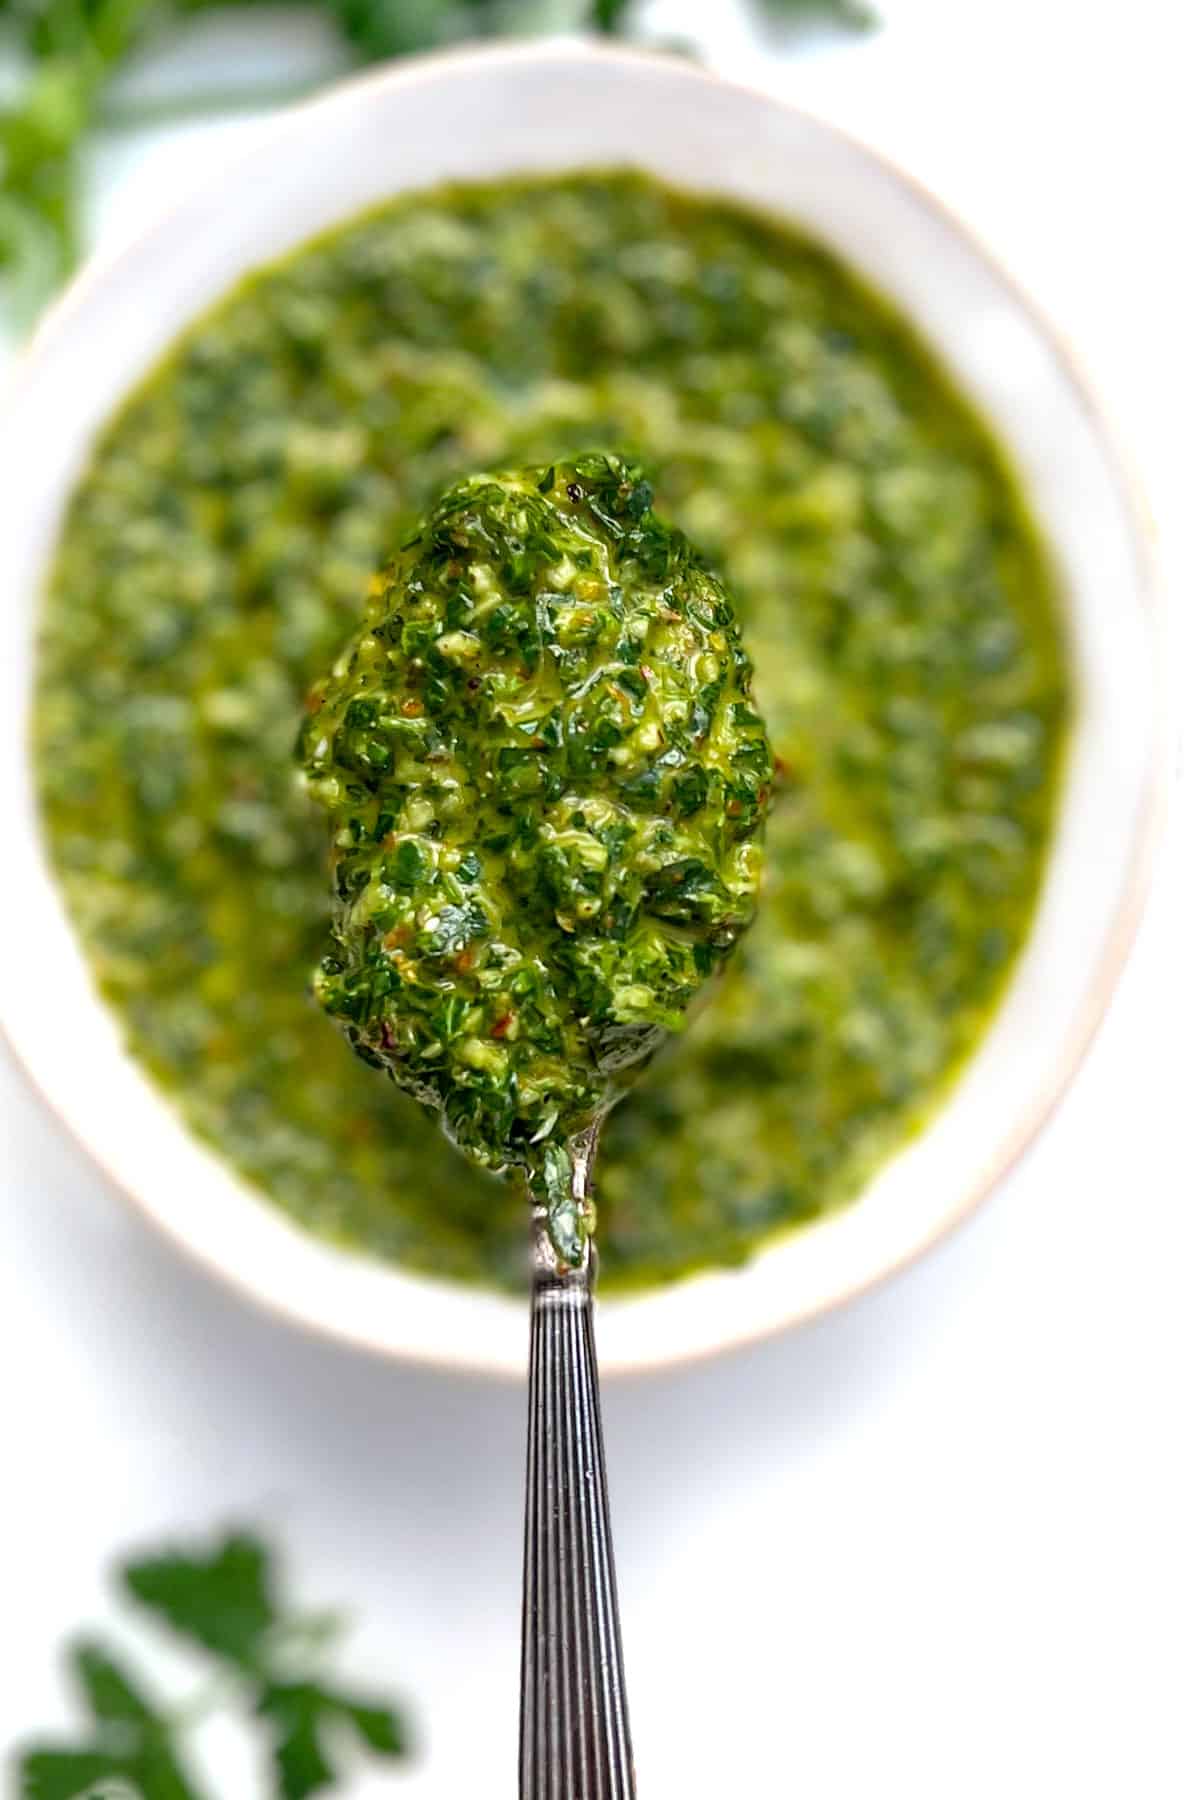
<point>943,1544</point>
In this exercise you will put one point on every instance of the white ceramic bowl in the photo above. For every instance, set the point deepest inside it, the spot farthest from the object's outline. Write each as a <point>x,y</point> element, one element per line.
<point>558,106</point>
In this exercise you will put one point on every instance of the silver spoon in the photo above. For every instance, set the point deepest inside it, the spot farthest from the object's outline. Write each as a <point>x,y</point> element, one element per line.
<point>575,1741</point>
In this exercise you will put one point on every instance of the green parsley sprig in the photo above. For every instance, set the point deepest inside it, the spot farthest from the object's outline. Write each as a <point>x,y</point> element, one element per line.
<point>224,1602</point>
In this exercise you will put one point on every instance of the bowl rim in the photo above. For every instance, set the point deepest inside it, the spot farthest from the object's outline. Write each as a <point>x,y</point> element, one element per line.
<point>1129,897</point>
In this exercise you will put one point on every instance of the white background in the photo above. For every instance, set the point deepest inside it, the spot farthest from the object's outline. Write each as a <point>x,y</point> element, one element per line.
<point>943,1544</point>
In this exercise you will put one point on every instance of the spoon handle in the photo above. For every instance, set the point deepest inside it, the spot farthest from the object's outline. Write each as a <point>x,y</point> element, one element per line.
<point>574,1720</point>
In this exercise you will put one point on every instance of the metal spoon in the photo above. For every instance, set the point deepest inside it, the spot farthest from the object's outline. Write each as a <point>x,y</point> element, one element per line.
<point>574,1718</point>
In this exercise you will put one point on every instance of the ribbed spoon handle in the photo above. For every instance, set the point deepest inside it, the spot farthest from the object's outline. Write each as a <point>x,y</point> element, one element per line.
<point>574,1719</point>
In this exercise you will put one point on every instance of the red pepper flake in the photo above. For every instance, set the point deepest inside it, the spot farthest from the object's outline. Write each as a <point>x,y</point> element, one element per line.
<point>500,1028</point>
<point>412,709</point>
<point>734,809</point>
<point>464,961</point>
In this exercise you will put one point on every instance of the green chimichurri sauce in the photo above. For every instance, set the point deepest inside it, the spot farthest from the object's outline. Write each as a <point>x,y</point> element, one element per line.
<point>547,785</point>
<point>896,605</point>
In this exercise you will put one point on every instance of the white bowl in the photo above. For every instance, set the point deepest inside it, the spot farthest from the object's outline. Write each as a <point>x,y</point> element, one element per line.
<point>558,106</point>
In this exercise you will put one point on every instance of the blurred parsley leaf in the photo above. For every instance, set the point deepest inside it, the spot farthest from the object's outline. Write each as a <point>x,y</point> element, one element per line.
<point>131,1748</point>
<point>224,1602</point>
<point>609,15</point>
<point>305,1716</point>
<point>65,1774</point>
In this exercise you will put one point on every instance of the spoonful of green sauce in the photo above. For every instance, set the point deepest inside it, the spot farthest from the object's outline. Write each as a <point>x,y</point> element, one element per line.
<point>548,785</point>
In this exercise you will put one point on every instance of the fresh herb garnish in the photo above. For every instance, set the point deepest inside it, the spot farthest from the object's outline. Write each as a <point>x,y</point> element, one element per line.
<point>226,1603</point>
<point>74,48</point>
<point>520,704</point>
